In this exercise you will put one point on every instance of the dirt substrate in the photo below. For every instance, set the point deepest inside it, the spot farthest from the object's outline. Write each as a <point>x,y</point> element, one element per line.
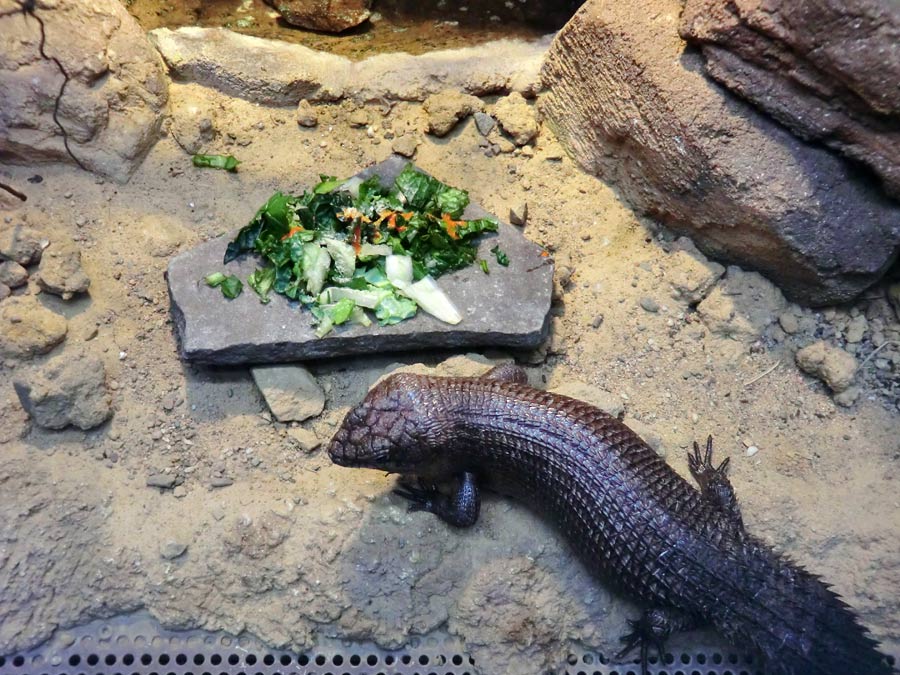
<point>290,547</point>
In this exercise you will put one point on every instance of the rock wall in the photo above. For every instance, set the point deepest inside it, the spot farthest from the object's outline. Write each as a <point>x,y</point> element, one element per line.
<point>633,106</point>
<point>828,70</point>
<point>113,101</point>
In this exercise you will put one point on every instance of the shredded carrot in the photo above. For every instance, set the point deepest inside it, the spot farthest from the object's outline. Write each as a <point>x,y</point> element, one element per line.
<point>451,225</point>
<point>545,254</point>
<point>291,232</point>
<point>357,236</point>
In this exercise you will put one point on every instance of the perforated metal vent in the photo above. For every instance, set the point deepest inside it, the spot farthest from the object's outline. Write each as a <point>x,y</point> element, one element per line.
<point>137,645</point>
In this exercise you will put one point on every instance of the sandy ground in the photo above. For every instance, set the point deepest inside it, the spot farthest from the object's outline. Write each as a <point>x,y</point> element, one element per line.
<point>296,547</point>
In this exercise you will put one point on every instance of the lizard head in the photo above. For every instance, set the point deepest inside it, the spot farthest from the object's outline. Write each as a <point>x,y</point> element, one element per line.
<point>392,429</point>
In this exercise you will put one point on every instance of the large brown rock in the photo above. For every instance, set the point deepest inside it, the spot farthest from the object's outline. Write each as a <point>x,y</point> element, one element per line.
<point>634,107</point>
<point>829,69</point>
<point>113,102</point>
<point>332,16</point>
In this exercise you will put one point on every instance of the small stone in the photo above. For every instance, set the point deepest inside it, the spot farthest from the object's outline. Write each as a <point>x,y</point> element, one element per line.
<point>4,291</point>
<point>516,118</point>
<point>484,123</point>
<point>518,215</point>
<point>180,492</point>
<point>358,118</point>
<point>856,329</point>
<point>690,273</point>
<point>22,243</point>
<point>405,145</point>
<point>169,402</point>
<point>847,397</point>
<point>166,481</point>
<point>12,274</point>
<point>830,364</point>
<point>597,321</point>
<point>649,305</point>
<point>789,322</point>
<point>291,392</point>
<point>60,271</point>
<point>505,146</point>
<point>28,328</point>
<point>306,114</point>
<point>306,439</point>
<point>446,108</point>
<point>217,512</point>
<point>172,549</point>
<point>221,482</point>
<point>752,450</point>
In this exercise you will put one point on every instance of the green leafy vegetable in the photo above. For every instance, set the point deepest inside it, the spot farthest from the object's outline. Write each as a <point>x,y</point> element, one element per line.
<point>215,279</point>
<point>231,286</point>
<point>502,258</point>
<point>484,266</point>
<point>226,162</point>
<point>346,247</point>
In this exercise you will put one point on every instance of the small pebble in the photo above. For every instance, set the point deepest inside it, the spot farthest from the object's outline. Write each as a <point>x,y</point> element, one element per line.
<point>752,450</point>
<point>649,304</point>
<point>180,492</point>
<point>172,550</point>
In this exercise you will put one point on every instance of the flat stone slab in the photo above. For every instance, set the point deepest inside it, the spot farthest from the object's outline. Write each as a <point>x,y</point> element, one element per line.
<point>273,72</point>
<point>507,308</point>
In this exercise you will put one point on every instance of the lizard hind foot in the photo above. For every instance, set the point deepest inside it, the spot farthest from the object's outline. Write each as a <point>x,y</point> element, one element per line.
<point>652,629</point>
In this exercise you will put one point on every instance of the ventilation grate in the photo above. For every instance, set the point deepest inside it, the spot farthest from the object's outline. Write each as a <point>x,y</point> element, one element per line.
<point>137,645</point>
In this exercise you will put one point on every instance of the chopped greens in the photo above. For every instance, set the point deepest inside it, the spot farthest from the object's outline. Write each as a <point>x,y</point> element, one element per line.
<point>351,246</point>
<point>226,162</point>
<point>502,258</point>
<point>231,286</point>
<point>484,266</point>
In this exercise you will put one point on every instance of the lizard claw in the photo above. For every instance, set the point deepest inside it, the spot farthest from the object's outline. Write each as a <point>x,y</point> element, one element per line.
<point>702,468</point>
<point>420,498</point>
<point>645,632</point>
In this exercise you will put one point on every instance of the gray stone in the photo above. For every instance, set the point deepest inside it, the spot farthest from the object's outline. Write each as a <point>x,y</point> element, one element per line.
<point>172,549</point>
<point>28,328</point>
<point>12,274</point>
<point>4,291</point>
<point>70,389</point>
<point>648,304</point>
<point>306,114</point>
<point>165,481</point>
<point>508,308</point>
<point>518,214</point>
<point>484,123</point>
<point>405,145</point>
<point>278,73</point>
<point>60,271</point>
<point>291,392</point>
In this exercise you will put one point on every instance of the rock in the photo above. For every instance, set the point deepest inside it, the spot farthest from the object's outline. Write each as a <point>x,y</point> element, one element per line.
<point>447,108</point>
<point>330,16</point>
<point>272,72</point>
<point>484,123</point>
<point>193,119</point>
<point>70,389</point>
<point>516,118</point>
<point>221,482</point>
<point>164,481</point>
<point>358,118</point>
<point>691,274</point>
<point>847,397</point>
<point>607,402</point>
<point>4,291</point>
<point>12,274</point>
<point>508,308</point>
<point>826,70</point>
<point>114,100</point>
<point>789,322</point>
<point>648,304</point>
<point>21,242</point>
<point>60,271</point>
<point>306,114</point>
<point>856,329</point>
<point>633,106</point>
<point>306,439</point>
<point>741,306</point>
<point>405,145</point>
<point>518,215</point>
<point>830,364</point>
<point>28,328</point>
<point>180,492</point>
<point>172,549</point>
<point>291,392</point>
